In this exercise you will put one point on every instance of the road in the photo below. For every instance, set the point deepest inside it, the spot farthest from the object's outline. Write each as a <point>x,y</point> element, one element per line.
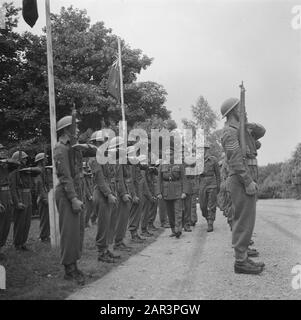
<point>200,264</point>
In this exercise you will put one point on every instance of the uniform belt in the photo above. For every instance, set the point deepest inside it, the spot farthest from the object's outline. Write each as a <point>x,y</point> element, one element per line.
<point>251,162</point>
<point>5,188</point>
<point>25,190</point>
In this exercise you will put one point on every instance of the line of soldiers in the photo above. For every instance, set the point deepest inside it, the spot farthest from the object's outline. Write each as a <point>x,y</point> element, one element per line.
<point>17,183</point>
<point>121,197</point>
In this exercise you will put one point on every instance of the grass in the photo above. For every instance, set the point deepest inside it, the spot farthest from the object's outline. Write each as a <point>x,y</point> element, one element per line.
<point>38,274</point>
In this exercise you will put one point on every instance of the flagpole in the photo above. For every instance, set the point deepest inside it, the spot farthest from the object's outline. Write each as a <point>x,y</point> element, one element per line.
<point>53,214</point>
<point>121,86</point>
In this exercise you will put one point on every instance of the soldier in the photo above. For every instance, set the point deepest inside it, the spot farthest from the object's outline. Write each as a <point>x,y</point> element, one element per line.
<point>242,187</point>
<point>150,198</point>
<point>69,195</point>
<point>105,201</point>
<point>172,187</point>
<point>127,195</point>
<point>209,187</point>
<point>21,184</point>
<point>137,207</point>
<point>152,177</point>
<point>190,215</point>
<point>42,187</point>
<point>6,208</point>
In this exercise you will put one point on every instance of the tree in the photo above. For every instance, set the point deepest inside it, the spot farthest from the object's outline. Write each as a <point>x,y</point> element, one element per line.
<point>204,117</point>
<point>83,55</point>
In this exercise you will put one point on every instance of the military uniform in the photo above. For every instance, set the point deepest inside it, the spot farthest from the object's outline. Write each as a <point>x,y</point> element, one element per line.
<point>69,170</point>
<point>125,187</point>
<point>209,188</point>
<point>105,179</point>
<point>190,217</point>
<point>172,185</point>
<point>21,185</point>
<point>149,202</point>
<point>6,202</point>
<point>152,177</point>
<point>241,173</point>
<point>42,189</point>
<point>136,209</point>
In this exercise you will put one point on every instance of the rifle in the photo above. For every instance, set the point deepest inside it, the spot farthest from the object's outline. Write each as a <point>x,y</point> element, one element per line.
<point>242,121</point>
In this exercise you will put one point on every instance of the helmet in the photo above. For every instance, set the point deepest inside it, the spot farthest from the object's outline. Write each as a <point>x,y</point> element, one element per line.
<point>96,136</point>
<point>40,156</point>
<point>16,155</point>
<point>64,122</point>
<point>228,105</point>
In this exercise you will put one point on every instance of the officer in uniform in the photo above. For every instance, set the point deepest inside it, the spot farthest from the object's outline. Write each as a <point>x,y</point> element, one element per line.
<point>209,187</point>
<point>69,195</point>
<point>42,188</point>
<point>172,187</point>
<point>21,185</point>
<point>243,190</point>
<point>6,208</point>
<point>190,215</point>
<point>152,177</point>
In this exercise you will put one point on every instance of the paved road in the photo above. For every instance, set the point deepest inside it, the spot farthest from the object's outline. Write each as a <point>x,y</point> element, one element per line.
<point>200,264</point>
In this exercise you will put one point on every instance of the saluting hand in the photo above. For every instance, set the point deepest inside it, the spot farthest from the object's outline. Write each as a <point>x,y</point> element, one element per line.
<point>77,205</point>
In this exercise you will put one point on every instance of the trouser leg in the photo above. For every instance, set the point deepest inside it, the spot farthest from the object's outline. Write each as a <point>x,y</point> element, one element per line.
<point>244,215</point>
<point>194,216</point>
<point>135,215</point>
<point>178,209</point>
<point>145,214</point>
<point>153,212</point>
<point>162,211</point>
<point>169,204</point>
<point>5,218</point>
<point>113,223</point>
<point>44,220</point>
<point>203,198</point>
<point>124,209</point>
<point>187,211</point>
<point>212,202</point>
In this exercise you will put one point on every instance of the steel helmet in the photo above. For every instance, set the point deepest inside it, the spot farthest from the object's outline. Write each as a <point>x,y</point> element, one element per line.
<point>228,105</point>
<point>40,156</point>
<point>64,122</point>
<point>17,155</point>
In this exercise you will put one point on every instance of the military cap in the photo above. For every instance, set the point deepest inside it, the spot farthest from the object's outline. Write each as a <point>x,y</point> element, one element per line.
<point>64,122</point>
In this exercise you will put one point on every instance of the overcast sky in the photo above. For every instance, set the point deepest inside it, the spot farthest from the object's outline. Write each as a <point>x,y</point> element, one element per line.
<point>207,48</point>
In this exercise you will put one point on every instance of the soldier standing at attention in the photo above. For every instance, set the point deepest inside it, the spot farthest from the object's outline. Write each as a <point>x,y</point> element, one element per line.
<point>42,187</point>
<point>209,187</point>
<point>21,184</point>
<point>152,177</point>
<point>6,208</point>
<point>69,195</point>
<point>88,200</point>
<point>243,190</point>
<point>172,187</point>
<point>126,192</point>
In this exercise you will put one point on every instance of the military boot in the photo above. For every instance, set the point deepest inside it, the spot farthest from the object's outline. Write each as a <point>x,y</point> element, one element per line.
<point>173,232</point>
<point>259,264</point>
<point>146,233</point>
<point>136,238</point>
<point>178,234</point>
<point>210,226</point>
<point>122,247</point>
<point>246,267</point>
<point>113,255</point>
<point>152,227</point>
<point>187,228</point>
<point>104,257</point>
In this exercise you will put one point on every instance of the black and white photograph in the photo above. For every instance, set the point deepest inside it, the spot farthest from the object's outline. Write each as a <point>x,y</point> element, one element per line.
<point>150,150</point>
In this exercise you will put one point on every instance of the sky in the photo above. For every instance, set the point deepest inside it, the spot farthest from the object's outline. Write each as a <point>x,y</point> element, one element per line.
<point>207,48</point>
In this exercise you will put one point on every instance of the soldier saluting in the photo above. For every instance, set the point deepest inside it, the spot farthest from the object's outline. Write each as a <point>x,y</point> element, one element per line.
<point>242,186</point>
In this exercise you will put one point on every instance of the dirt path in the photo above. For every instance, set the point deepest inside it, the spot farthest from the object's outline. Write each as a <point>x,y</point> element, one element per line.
<point>200,265</point>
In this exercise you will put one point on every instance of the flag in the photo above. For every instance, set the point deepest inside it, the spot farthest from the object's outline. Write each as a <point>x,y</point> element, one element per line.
<point>30,12</point>
<point>114,81</point>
